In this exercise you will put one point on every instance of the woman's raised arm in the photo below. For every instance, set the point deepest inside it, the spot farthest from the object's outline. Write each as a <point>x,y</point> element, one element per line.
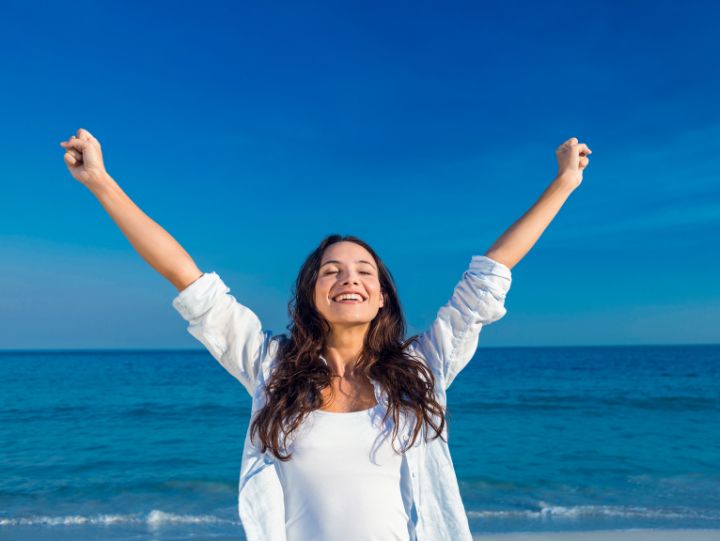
<point>516,242</point>
<point>84,160</point>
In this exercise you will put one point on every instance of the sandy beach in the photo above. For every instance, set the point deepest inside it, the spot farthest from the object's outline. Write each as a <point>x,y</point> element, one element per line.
<point>608,535</point>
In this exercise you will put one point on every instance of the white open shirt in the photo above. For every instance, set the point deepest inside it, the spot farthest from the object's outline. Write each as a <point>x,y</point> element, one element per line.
<point>233,335</point>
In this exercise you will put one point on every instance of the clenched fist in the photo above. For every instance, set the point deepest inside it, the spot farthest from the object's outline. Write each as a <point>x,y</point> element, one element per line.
<point>83,158</point>
<point>572,158</point>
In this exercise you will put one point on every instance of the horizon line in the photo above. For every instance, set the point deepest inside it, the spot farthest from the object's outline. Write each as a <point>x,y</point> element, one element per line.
<point>201,350</point>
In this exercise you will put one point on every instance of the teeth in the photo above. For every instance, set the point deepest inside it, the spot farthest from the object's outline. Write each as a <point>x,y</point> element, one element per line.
<point>348,296</point>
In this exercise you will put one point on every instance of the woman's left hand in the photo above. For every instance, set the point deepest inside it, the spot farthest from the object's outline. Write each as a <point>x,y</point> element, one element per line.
<point>572,158</point>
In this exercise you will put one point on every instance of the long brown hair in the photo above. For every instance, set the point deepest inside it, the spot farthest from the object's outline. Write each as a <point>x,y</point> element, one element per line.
<point>294,388</point>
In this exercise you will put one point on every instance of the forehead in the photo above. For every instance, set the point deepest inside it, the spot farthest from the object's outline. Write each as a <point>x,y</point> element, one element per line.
<point>346,252</point>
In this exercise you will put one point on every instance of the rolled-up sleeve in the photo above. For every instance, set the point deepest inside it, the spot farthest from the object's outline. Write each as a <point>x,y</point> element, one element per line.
<point>230,331</point>
<point>478,299</point>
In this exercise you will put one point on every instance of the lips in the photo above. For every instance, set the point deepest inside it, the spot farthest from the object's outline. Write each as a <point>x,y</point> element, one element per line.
<point>349,301</point>
<point>356,293</point>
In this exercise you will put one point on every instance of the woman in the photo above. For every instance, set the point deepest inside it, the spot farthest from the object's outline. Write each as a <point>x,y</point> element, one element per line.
<point>347,439</point>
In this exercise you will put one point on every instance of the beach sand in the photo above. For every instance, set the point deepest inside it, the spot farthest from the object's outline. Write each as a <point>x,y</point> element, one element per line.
<point>607,535</point>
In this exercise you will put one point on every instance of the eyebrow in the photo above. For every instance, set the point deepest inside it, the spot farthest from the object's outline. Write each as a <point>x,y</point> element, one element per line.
<point>336,261</point>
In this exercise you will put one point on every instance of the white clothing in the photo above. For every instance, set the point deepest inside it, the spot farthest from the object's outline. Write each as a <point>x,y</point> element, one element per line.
<point>233,335</point>
<point>344,480</point>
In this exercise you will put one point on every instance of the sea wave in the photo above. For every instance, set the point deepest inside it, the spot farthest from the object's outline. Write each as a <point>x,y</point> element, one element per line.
<point>153,518</point>
<point>157,518</point>
<point>547,511</point>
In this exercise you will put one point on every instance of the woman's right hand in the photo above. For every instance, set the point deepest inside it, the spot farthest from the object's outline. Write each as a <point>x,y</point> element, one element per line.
<point>572,158</point>
<point>83,158</point>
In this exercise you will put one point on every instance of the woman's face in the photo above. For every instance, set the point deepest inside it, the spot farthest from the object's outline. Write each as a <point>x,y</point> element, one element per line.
<point>348,267</point>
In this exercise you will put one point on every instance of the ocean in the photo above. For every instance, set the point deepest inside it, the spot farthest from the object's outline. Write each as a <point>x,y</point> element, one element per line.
<point>146,445</point>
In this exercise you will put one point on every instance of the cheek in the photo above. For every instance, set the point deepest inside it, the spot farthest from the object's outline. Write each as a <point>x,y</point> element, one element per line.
<point>321,290</point>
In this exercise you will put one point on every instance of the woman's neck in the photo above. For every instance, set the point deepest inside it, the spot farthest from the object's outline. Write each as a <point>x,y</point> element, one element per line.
<point>343,349</point>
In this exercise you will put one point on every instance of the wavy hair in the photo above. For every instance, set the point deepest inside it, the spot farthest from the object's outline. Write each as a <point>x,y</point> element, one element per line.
<point>294,387</point>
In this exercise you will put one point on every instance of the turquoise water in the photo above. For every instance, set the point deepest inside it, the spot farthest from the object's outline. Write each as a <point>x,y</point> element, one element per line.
<point>147,445</point>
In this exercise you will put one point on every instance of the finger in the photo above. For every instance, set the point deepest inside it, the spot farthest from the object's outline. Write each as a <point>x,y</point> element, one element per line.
<point>84,134</point>
<point>570,142</point>
<point>70,160</point>
<point>70,140</point>
<point>75,143</point>
<point>583,148</point>
<point>584,162</point>
<point>75,154</point>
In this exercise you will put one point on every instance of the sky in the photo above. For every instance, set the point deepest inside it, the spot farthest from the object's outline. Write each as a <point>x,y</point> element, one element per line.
<point>251,130</point>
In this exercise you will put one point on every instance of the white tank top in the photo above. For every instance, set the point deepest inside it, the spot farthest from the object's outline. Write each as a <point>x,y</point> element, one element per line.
<point>344,481</point>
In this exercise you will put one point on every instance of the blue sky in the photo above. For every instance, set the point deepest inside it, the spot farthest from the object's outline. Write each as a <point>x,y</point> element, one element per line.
<point>244,128</point>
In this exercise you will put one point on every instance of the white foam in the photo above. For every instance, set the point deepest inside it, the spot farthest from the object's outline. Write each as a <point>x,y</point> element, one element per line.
<point>547,511</point>
<point>68,520</point>
<point>154,519</point>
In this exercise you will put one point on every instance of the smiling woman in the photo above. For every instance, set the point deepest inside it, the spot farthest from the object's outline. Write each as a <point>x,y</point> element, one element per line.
<point>331,400</point>
<point>348,437</point>
<point>342,346</point>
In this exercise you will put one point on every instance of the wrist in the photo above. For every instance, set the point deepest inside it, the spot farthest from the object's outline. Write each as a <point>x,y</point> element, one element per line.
<point>101,184</point>
<point>566,181</point>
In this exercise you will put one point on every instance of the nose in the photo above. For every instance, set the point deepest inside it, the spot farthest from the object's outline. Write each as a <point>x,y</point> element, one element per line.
<point>351,278</point>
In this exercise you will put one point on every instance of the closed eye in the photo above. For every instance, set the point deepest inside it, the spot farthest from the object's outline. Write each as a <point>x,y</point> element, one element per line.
<point>335,272</point>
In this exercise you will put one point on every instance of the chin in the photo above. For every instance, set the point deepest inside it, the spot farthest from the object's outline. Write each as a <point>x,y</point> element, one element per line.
<point>351,320</point>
